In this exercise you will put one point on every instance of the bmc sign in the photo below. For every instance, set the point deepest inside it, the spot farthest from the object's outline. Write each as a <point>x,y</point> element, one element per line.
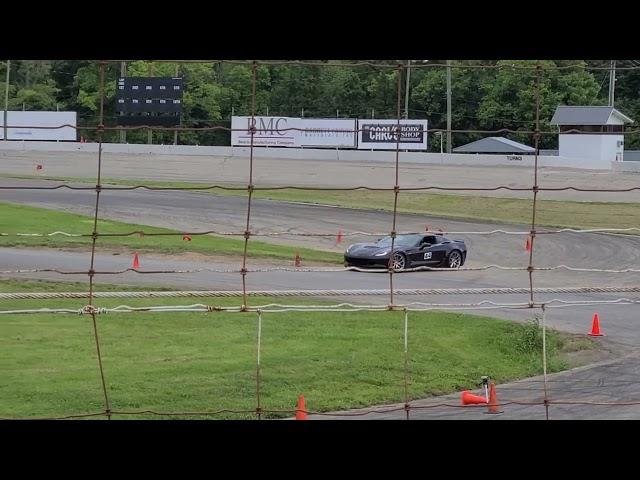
<point>270,131</point>
<point>293,132</point>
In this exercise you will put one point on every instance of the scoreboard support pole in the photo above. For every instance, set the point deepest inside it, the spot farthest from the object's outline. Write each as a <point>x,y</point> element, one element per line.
<point>175,132</point>
<point>150,131</point>
<point>123,73</point>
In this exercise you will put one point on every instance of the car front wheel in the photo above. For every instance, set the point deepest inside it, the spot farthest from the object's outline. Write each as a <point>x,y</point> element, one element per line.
<point>399,261</point>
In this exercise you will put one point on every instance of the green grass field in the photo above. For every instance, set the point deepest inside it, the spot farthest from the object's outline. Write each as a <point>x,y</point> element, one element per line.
<point>206,361</point>
<point>25,219</point>
<point>550,213</point>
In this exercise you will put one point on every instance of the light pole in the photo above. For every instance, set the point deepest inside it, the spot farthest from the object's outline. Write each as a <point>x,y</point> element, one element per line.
<point>406,91</point>
<point>448,106</point>
<point>406,88</point>
<point>612,82</point>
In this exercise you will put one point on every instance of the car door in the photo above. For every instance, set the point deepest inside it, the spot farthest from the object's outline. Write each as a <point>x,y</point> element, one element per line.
<point>414,254</point>
<point>425,252</point>
<point>438,250</point>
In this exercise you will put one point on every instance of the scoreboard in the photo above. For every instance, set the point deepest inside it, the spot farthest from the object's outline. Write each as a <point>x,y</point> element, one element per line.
<point>149,101</point>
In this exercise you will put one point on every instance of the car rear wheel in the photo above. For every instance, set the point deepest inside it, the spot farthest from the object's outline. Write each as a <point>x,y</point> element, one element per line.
<point>455,259</point>
<point>399,261</point>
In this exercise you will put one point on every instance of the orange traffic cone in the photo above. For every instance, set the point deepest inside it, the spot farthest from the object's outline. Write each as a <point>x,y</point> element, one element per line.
<point>468,398</point>
<point>298,261</point>
<point>595,327</point>
<point>186,237</point>
<point>527,246</point>
<point>301,410</point>
<point>136,262</point>
<point>339,237</point>
<point>493,400</point>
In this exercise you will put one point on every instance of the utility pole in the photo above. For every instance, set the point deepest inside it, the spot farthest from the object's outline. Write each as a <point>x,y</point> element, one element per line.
<point>612,83</point>
<point>448,106</point>
<point>406,91</point>
<point>123,72</point>
<point>6,99</point>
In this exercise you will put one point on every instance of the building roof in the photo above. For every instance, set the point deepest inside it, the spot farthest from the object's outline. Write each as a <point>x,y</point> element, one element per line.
<point>494,145</point>
<point>586,116</point>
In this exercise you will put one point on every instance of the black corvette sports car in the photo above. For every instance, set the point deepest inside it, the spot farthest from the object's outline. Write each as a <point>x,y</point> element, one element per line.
<point>412,250</point>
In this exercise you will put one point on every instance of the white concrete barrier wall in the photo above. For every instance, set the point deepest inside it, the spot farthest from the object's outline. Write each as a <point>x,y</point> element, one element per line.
<point>629,167</point>
<point>314,154</point>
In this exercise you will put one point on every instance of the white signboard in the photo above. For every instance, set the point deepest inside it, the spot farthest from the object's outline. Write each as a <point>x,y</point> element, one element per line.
<point>327,132</point>
<point>382,134</point>
<point>294,132</point>
<point>270,131</point>
<point>19,124</point>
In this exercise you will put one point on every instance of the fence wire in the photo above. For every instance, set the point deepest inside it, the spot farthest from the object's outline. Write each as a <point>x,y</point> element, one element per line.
<point>393,268</point>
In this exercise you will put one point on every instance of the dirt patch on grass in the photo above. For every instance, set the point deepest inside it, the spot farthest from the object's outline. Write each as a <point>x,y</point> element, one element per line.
<point>581,350</point>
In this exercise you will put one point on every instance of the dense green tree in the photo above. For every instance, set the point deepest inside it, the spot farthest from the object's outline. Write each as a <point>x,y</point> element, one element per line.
<point>429,98</point>
<point>509,99</point>
<point>627,98</point>
<point>499,97</point>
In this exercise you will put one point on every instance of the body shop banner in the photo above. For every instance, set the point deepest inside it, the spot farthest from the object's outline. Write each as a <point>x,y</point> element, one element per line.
<point>383,134</point>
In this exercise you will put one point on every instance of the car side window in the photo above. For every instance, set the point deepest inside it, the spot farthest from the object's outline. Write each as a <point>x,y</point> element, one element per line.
<point>430,240</point>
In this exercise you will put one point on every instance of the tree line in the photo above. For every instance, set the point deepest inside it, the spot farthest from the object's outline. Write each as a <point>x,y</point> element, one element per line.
<point>482,98</point>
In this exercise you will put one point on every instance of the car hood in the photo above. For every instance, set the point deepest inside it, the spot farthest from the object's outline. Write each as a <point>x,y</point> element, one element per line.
<point>366,250</point>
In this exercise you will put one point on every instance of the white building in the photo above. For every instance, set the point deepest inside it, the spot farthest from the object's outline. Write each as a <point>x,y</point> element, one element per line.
<point>600,138</point>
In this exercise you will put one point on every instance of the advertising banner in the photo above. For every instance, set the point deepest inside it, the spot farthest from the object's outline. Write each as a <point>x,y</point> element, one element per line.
<point>19,124</point>
<point>294,132</point>
<point>382,134</point>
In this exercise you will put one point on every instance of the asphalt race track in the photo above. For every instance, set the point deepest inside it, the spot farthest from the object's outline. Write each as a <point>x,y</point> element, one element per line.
<point>202,211</point>
<point>324,173</point>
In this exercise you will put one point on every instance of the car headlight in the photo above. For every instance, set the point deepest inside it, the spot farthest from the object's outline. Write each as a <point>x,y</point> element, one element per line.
<point>382,254</point>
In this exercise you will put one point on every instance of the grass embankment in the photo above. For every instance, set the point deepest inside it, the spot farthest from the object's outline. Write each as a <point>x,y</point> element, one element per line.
<point>25,219</point>
<point>207,361</point>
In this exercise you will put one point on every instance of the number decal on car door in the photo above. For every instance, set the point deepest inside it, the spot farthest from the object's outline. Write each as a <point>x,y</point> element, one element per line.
<point>427,256</point>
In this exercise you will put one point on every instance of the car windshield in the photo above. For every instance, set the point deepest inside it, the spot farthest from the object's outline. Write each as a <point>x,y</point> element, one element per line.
<point>401,240</point>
